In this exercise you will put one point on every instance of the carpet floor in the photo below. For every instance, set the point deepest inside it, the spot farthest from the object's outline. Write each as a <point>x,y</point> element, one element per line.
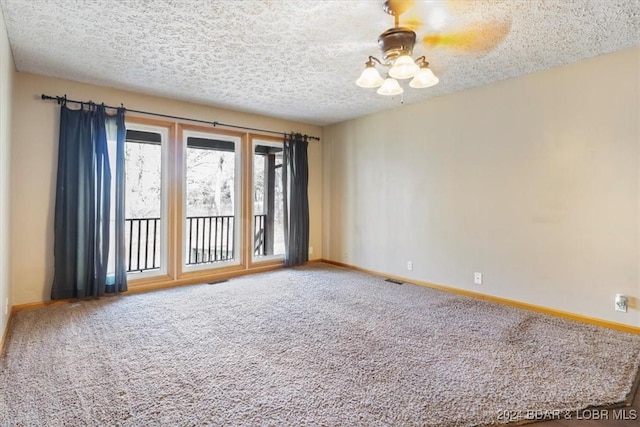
<point>312,346</point>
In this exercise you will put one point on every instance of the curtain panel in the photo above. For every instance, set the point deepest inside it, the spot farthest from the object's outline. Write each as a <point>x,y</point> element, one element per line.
<point>295,180</point>
<point>83,210</point>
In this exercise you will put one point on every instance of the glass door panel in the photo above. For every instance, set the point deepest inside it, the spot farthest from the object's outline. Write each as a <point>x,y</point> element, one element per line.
<point>212,200</point>
<point>145,200</point>
<point>267,205</point>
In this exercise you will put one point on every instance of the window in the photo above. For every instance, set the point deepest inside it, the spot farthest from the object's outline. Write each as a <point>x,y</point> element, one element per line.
<point>200,202</point>
<point>267,204</point>
<point>211,200</point>
<point>146,200</point>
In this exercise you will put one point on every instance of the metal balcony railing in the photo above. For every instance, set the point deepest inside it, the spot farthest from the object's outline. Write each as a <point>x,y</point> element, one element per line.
<point>260,236</point>
<point>143,244</point>
<point>209,239</point>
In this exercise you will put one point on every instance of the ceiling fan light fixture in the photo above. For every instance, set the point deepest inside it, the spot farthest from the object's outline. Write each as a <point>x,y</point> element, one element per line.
<point>404,67</point>
<point>424,78</point>
<point>397,45</point>
<point>390,87</point>
<point>370,77</point>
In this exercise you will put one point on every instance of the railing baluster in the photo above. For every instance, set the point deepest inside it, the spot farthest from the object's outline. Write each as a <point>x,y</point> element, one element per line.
<point>223,254</point>
<point>155,235</point>
<point>209,249</point>
<point>130,243</point>
<point>227,247</point>
<point>223,242</point>
<point>196,237</point>
<point>139,236</point>
<point>203,233</point>
<point>189,245</point>
<point>146,245</point>
<point>215,242</point>
<point>255,233</point>
<point>259,235</point>
<point>264,235</point>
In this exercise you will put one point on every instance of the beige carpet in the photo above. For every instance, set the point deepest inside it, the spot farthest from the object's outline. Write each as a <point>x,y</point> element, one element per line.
<point>306,347</point>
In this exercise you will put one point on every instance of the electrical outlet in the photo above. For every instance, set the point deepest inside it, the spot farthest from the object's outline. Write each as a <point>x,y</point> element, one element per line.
<point>622,303</point>
<point>409,265</point>
<point>310,250</point>
<point>477,278</point>
<point>6,306</point>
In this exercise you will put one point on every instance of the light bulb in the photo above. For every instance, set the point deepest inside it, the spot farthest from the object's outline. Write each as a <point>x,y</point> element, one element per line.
<point>390,87</point>
<point>369,78</point>
<point>424,78</point>
<point>403,68</point>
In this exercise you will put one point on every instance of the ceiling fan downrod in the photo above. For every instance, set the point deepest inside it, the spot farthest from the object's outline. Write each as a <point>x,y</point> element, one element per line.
<point>396,8</point>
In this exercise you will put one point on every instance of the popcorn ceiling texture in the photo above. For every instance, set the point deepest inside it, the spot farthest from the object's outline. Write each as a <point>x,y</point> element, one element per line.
<point>312,346</point>
<point>294,59</point>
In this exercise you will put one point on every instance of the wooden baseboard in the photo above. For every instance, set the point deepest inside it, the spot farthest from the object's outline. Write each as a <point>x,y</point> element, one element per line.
<point>491,298</point>
<point>41,304</point>
<point>505,301</point>
<point>5,333</point>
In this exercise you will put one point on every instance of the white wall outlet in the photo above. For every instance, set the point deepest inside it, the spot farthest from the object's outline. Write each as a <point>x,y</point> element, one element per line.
<point>622,302</point>
<point>310,250</point>
<point>6,306</point>
<point>409,265</point>
<point>477,278</point>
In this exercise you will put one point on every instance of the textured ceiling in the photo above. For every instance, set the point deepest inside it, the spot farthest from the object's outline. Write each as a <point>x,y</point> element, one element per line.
<point>298,59</point>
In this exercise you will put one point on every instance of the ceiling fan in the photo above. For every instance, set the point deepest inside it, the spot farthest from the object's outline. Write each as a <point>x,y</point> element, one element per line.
<point>397,46</point>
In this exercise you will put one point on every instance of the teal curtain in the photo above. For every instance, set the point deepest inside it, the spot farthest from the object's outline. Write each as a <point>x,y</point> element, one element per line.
<point>82,224</point>
<point>295,180</point>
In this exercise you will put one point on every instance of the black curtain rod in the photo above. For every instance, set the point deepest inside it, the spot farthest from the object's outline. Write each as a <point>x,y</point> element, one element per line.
<point>63,99</point>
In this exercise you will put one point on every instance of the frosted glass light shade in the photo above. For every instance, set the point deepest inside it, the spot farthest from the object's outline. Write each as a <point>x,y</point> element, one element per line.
<point>369,78</point>
<point>403,68</point>
<point>424,78</point>
<point>390,87</point>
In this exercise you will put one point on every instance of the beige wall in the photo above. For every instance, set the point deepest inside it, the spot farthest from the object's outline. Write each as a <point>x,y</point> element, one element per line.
<point>34,153</point>
<point>7,72</point>
<point>532,181</point>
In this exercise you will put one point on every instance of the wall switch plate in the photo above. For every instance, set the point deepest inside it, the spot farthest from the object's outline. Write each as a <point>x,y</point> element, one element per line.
<point>622,302</point>
<point>409,265</point>
<point>477,278</point>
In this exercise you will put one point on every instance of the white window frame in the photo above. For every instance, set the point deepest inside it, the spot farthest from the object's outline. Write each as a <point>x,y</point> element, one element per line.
<point>269,143</point>
<point>237,203</point>
<point>165,145</point>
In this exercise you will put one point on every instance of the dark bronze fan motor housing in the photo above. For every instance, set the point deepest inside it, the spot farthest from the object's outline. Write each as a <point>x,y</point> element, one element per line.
<point>397,41</point>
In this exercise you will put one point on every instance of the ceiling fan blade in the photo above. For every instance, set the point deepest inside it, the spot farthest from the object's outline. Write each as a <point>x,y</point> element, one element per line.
<point>413,22</point>
<point>479,38</point>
